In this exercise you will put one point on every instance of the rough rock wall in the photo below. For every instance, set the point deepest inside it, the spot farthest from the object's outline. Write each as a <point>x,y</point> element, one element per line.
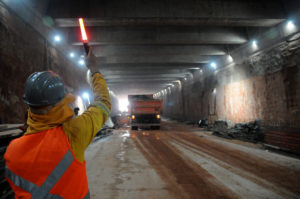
<point>266,86</point>
<point>22,52</point>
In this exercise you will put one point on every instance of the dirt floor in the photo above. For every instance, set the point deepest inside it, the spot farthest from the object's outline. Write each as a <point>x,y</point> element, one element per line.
<point>181,161</point>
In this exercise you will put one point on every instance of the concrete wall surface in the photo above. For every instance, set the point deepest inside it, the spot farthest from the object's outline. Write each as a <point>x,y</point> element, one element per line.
<point>24,51</point>
<point>264,86</point>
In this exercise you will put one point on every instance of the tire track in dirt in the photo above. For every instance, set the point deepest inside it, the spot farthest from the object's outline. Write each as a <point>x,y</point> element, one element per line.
<point>266,170</point>
<point>175,191</point>
<point>195,181</point>
<point>262,184</point>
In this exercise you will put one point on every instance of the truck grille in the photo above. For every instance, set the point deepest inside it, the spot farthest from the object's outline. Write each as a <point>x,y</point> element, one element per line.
<point>145,119</point>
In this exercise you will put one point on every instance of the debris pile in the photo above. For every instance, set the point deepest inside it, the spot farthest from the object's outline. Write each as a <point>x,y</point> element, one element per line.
<point>250,132</point>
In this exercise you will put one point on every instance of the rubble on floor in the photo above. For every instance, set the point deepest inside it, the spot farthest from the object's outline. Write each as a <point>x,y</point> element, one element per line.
<point>250,132</point>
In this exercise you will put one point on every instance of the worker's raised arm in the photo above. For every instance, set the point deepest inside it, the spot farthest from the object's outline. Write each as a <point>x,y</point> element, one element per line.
<point>82,129</point>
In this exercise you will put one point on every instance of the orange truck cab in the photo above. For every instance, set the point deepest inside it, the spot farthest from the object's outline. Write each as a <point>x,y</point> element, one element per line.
<point>145,111</point>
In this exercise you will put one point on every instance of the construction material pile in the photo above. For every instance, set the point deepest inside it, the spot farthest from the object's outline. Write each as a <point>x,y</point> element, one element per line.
<point>250,132</point>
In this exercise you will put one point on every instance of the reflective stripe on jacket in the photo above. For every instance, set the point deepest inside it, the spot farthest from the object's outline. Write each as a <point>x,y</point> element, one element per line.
<point>56,174</point>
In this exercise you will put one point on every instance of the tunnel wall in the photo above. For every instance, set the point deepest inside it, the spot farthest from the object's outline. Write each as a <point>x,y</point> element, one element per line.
<point>23,51</point>
<point>265,86</point>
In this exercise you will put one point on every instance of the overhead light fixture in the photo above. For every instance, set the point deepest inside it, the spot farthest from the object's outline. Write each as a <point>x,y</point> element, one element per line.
<point>213,65</point>
<point>72,54</point>
<point>290,25</point>
<point>81,62</point>
<point>201,71</point>
<point>229,58</point>
<point>85,95</point>
<point>57,38</point>
<point>254,44</point>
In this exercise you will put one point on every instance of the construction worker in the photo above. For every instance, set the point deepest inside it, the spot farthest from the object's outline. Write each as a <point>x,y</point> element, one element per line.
<point>48,161</point>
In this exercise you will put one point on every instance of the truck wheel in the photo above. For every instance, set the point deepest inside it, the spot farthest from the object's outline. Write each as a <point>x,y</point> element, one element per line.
<point>134,128</point>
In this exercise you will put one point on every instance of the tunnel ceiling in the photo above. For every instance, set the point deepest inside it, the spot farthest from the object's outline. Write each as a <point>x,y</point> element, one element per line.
<point>143,46</point>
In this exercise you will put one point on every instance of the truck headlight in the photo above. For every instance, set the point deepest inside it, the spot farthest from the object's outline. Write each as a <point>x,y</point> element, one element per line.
<point>133,117</point>
<point>158,116</point>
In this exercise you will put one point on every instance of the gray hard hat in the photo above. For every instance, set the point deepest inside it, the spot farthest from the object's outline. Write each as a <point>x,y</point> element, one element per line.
<point>43,89</point>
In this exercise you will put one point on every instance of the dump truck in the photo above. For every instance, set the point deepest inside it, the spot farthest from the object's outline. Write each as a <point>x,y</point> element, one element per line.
<point>145,111</point>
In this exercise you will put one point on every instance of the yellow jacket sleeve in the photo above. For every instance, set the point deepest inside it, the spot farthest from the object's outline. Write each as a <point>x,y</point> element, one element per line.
<point>82,129</point>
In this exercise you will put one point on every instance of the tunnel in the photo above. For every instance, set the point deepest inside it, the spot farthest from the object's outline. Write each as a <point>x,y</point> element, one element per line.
<point>183,99</point>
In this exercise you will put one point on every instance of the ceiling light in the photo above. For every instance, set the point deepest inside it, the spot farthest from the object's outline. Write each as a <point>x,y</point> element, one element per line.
<point>57,38</point>
<point>81,62</point>
<point>213,65</point>
<point>290,26</point>
<point>229,58</point>
<point>85,95</point>
<point>72,54</point>
<point>254,44</point>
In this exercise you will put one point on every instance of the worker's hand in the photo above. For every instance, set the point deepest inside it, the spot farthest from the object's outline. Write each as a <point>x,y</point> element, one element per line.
<point>91,61</point>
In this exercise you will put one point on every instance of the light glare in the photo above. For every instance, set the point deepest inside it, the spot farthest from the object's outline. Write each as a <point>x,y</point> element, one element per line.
<point>79,103</point>
<point>254,44</point>
<point>290,26</point>
<point>85,95</point>
<point>123,104</point>
<point>57,38</point>
<point>81,62</point>
<point>72,55</point>
<point>213,65</point>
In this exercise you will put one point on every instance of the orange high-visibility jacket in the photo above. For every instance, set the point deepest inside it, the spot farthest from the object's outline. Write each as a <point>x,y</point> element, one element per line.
<point>57,173</point>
